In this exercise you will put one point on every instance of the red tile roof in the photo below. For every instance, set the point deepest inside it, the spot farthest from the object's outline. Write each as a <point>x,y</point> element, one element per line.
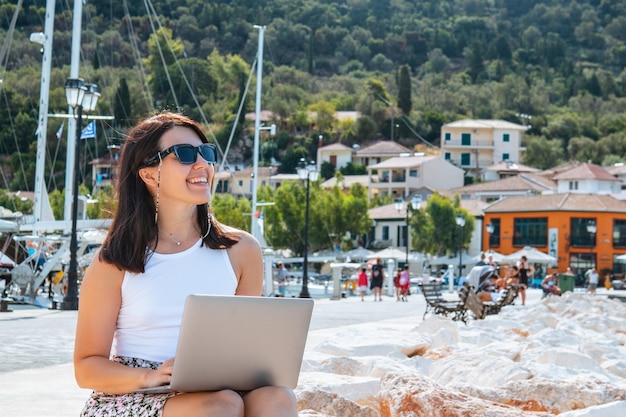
<point>586,171</point>
<point>558,202</point>
<point>386,147</point>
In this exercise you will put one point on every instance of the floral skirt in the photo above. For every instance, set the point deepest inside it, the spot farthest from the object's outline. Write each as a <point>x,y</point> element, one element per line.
<point>101,404</point>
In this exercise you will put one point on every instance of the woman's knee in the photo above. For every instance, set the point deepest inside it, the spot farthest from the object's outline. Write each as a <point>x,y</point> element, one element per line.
<point>227,400</point>
<point>205,404</point>
<point>278,398</point>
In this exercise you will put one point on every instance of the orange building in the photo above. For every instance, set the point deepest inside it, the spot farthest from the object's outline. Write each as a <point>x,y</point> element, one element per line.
<point>579,230</point>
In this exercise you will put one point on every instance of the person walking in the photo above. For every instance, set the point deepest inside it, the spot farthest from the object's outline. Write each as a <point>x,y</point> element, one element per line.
<point>404,283</point>
<point>377,279</point>
<point>526,271</point>
<point>281,279</point>
<point>396,283</point>
<point>163,244</point>
<point>592,281</point>
<point>362,283</point>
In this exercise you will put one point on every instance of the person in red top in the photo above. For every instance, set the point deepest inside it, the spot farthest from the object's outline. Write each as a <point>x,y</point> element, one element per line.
<point>362,283</point>
<point>404,283</point>
<point>396,283</point>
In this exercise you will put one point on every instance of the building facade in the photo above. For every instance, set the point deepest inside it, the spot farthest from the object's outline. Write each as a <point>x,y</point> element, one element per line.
<point>476,144</point>
<point>580,230</point>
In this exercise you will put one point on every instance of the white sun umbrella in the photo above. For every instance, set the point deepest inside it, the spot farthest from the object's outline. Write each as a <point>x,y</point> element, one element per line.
<point>358,254</point>
<point>389,253</point>
<point>533,255</point>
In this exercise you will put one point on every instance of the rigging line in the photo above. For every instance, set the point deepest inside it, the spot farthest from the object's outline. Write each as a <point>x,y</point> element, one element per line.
<point>193,95</point>
<point>8,40</point>
<point>158,44</point>
<point>133,41</point>
<point>17,146</point>
<point>407,124</point>
<point>52,179</point>
<point>232,131</point>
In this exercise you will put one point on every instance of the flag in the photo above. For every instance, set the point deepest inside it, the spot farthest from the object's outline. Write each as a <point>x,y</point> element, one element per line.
<point>89,132</point>
<point>60,131</point>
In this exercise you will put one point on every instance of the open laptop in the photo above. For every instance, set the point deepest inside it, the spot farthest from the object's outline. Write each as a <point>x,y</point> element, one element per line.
<point>239,343</point>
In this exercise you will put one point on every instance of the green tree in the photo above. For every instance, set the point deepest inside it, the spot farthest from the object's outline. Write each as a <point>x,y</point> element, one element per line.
<point>122,107</point>
<point>404,90</point>
<point>543,153</point>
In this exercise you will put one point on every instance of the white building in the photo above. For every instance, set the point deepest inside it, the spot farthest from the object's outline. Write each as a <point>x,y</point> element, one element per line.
<point>476,144</point>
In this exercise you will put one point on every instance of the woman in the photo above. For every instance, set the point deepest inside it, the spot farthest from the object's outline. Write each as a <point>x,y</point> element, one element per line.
<point>377,278</point>
<point>362,283</point>
<point>526,271</point>
<point>163,245</point>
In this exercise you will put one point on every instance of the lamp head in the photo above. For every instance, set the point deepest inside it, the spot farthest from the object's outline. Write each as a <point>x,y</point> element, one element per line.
<point>75,91</point>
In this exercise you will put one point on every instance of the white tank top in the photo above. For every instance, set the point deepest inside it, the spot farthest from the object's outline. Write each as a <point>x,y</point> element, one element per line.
<point>152,302</point>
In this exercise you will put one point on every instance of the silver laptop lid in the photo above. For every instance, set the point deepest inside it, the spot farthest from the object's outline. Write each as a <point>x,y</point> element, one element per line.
<point>240,343</point>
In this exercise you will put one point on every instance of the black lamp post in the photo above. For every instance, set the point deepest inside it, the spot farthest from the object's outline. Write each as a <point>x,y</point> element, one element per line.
<point>308,173</point>
<point>415,204</point>
<point>592,229</point>
<point>80,97</point>
<point>460,221</point>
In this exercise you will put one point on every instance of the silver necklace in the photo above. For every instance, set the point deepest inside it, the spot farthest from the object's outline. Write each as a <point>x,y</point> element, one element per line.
<point>178,242</point>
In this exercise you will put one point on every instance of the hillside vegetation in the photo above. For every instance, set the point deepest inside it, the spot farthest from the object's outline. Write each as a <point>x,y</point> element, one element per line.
<point>418,63</point>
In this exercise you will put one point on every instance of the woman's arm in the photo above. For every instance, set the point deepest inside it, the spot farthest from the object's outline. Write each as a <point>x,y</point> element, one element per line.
<point>100,301</point>
<point>247,261</point>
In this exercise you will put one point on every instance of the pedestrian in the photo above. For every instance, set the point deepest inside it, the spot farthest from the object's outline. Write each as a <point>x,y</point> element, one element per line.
<point>405,279</point>
<point>377,279</point>
<point>396,283</point>
<point>281,279</point>
<point>362,283</point>
<point>592,281</point>
<point>526,272</point>
<point>163,245</point>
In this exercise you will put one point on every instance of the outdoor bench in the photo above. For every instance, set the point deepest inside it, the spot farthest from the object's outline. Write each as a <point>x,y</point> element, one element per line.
<point>438,305</point>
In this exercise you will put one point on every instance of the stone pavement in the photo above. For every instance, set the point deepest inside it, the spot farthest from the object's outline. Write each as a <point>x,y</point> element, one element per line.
<point>36,373</point>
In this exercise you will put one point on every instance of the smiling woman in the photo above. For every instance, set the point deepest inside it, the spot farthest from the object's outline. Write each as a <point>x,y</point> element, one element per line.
<point>163,245</point>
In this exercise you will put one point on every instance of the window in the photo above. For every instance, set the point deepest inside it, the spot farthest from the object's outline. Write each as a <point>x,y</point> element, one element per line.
<point>573,185</point>
<point>619,233</point>
<point>578,234</point>
<point>506,137</point>
<point>494,238</point>
<point>448,136</point>
<point>466,159</point>
<point>506,157</point>
<point>530,232</point>
<point>466,139</point>
<point>447,156</point>
<point>413,173</point>
<point>385,232</point>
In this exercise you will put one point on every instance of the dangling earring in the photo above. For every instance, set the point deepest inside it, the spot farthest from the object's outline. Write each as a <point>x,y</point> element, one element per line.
<point>208,215</point>
<point>156,210</point>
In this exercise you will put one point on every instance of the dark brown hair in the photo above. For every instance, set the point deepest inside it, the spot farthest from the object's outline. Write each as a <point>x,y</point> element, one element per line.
<point>134,228</point>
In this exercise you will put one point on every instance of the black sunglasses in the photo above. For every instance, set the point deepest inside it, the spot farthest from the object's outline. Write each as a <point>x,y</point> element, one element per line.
<point>186,154</point>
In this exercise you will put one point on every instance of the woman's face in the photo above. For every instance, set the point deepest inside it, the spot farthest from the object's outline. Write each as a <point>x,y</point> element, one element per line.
<point>190,183</point>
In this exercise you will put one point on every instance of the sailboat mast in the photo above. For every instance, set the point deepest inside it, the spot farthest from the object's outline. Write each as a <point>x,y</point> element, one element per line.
<point>254,228</point>
<point>46,63</point>
<point>71,124</point>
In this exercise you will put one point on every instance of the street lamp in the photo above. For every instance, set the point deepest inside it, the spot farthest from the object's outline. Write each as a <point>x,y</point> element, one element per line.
<point>592,229</point>
<point>490,229</point>
<point>80,97</point>
<point>308,173</point>
<point>415,204</point>
<point>460,221</point>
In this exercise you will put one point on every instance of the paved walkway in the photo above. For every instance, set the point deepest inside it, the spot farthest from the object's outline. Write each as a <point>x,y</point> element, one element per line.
<point>36,373</point>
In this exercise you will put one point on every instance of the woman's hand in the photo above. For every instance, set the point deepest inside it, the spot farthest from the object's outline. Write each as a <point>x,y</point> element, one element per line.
<point>161,376</point>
